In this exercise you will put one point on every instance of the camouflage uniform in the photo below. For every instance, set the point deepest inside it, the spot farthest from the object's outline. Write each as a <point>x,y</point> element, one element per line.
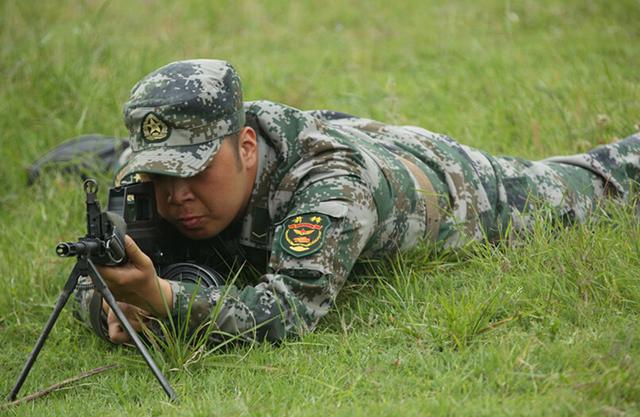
<point>332,188</point>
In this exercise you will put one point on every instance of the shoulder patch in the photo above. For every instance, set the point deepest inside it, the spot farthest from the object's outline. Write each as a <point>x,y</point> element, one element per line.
<point>304,234</point>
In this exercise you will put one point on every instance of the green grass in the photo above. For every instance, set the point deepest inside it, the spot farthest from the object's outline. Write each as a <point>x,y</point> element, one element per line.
<point>548,326</point>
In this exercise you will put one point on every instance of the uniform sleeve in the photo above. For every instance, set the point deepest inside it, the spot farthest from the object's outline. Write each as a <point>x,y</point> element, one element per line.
<point>87,308</point>
<point>298,288</point>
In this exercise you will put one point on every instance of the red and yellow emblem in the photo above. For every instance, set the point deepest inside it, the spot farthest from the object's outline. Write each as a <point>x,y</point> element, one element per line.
<point>304,234</point>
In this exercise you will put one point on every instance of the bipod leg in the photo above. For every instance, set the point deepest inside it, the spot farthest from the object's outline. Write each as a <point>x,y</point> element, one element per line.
<point>62,301</point>
<point>102,287</point>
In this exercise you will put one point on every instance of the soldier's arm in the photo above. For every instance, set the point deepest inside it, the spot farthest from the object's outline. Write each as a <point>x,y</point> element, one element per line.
<point>303,277</point>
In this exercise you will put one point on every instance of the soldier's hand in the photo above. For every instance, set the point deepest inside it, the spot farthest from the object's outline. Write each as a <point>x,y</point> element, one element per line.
<point>136,317</point>
<point>137,283</point>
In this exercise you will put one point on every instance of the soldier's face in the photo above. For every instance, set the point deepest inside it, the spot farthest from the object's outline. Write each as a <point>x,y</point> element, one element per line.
<point>205,204</point>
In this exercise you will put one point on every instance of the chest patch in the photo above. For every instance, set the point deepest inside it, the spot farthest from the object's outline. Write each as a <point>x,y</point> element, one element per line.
<point>304,234</point>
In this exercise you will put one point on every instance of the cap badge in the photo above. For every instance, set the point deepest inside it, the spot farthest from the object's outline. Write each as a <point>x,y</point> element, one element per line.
<point>154,129</point>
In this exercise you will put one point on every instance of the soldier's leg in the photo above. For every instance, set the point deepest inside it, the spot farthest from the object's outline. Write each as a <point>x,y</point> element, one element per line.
<point>571,187</point>
<point>617,163</point>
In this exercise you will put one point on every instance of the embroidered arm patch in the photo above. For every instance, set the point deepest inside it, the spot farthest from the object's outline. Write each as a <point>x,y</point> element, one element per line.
<point>304,234</point>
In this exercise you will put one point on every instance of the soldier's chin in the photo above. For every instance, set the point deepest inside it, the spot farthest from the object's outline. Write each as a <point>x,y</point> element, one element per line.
<point>196,233</point>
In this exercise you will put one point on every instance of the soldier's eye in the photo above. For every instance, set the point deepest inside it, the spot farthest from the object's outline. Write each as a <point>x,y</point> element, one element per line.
<point>158,179</point>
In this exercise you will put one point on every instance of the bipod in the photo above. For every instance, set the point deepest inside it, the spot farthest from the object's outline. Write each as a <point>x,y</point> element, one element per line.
<point>84,267</point>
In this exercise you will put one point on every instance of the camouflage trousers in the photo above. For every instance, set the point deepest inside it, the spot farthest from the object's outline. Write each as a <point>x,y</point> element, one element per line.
<point>507,190</point>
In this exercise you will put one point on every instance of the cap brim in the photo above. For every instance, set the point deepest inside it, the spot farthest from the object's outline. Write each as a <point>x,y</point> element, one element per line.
<point>176,161</point>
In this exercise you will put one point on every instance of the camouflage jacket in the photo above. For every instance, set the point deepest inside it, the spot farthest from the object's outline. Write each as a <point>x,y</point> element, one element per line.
<point>331,189</point>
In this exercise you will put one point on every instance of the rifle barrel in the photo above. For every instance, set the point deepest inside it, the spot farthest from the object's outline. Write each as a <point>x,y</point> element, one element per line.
<point>83,247</point>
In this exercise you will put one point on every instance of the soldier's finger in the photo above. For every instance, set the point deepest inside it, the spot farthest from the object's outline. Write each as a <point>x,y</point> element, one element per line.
<point>134,253</point>
<point>117,333</point>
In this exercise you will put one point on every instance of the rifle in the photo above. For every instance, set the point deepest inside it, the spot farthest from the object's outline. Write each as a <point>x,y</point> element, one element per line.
<point>102,245</point>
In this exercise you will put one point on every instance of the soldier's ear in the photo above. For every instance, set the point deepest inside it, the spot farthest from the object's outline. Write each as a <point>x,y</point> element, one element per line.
<point>248,147</point>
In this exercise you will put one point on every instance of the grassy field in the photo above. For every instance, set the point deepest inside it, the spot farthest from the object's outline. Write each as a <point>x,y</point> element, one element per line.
<point>548,326</point>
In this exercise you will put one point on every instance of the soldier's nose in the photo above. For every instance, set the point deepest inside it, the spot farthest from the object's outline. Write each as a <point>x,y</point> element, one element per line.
<point>179,191</point>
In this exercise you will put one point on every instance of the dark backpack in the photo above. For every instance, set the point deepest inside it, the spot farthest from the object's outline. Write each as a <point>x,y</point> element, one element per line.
<point>85,155</point>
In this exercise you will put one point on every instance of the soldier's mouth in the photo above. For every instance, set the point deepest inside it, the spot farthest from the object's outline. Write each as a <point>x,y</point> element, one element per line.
<point>190,222</point>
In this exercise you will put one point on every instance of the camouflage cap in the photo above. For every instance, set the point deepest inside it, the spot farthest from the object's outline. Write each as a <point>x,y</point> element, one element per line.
<point>178,115</point>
